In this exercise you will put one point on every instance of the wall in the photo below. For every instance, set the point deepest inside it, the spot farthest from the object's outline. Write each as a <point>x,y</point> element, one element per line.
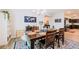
<point>59,15</point>
<point>11,24</point>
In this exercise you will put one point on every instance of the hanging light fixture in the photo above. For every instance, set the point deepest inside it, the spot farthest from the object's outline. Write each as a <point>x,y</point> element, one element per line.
<point>39,11</point>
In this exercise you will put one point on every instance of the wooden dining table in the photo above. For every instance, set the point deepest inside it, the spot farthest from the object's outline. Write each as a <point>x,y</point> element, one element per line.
<point>36,36</point>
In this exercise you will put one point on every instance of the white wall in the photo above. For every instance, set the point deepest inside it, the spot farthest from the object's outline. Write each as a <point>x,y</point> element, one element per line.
<point>18,16</point>
<point>59,15</point>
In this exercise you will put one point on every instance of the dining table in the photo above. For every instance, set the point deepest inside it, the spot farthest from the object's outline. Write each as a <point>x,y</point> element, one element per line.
<point>36,36</point>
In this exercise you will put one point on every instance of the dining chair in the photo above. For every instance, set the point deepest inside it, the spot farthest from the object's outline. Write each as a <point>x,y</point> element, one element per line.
<point>49,39</point>
<point>46,26</point>
<point>60,36</point>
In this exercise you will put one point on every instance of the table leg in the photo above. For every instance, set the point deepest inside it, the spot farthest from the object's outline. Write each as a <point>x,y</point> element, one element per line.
<point>32,44</point>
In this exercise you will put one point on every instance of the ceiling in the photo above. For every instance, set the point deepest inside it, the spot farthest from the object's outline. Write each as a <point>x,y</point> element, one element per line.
<point>49,12</point>
<point>53,11</point>
<point>73,13</point>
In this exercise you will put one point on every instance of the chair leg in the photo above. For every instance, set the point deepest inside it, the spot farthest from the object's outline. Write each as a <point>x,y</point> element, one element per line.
<point>53,45</point>
<point>40,45</point>
<point>58,42</point>
<point>63,40</point>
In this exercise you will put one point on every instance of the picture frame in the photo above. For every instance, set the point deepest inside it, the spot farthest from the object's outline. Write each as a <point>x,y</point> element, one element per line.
<point>29,19</point>
<point>57,20</point>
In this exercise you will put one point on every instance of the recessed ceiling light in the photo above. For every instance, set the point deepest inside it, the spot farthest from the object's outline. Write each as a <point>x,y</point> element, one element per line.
<point>74,15</point>
<point>68,12</point>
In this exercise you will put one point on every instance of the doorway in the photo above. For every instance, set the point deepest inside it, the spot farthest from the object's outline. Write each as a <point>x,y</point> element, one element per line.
<point>3,29</point>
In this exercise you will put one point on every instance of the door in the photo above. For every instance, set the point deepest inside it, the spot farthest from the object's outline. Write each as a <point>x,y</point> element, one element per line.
<point>3,29</point>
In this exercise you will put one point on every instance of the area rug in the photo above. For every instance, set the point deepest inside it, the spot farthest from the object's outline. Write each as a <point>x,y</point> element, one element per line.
<point>68,44</point>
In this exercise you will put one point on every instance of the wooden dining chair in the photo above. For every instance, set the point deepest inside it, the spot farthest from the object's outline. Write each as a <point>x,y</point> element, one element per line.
<point>50,38</point>
<point>60,36</point>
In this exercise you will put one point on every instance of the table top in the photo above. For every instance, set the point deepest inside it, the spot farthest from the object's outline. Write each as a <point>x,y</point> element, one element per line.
<point>37,35</point>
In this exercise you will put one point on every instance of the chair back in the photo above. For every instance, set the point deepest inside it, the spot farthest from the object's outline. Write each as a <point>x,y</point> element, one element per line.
<point>61,31</point>
<point>50,37</point>
<point>61,34</point>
